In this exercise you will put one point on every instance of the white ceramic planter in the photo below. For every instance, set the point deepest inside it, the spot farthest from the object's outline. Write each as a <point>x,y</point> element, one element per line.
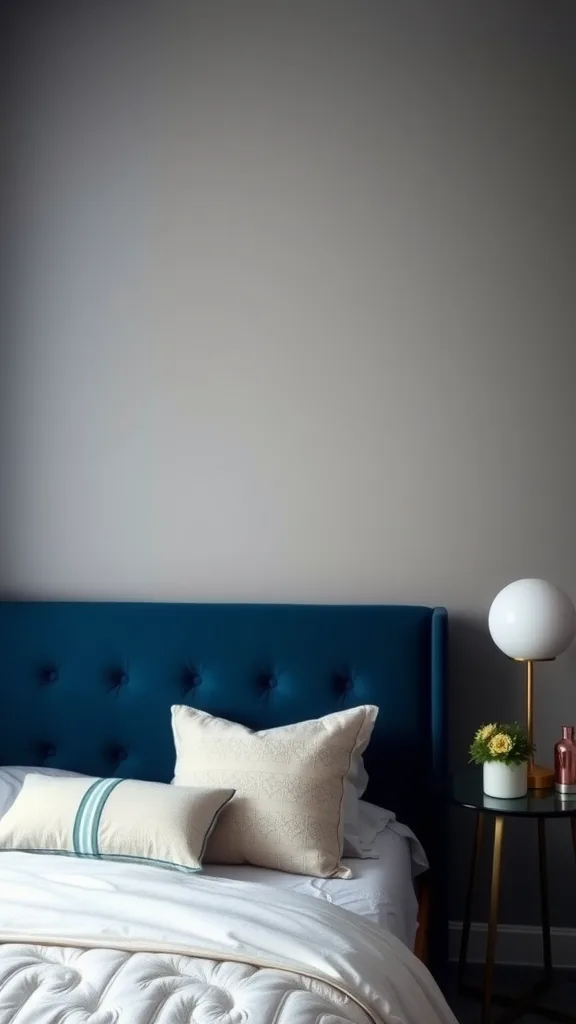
<point>505,781</point>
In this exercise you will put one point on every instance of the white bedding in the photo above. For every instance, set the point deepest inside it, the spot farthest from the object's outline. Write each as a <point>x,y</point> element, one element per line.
<point>381,890</point>
<point>107,943</point>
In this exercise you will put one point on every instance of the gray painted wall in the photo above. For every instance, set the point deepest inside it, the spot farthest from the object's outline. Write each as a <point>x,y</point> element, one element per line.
<point>292,317</point>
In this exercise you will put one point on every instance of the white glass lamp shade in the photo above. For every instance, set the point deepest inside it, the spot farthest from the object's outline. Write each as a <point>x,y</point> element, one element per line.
<point>532,620</point>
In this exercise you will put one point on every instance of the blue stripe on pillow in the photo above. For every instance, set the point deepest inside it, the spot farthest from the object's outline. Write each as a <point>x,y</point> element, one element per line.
<point>87,821</point>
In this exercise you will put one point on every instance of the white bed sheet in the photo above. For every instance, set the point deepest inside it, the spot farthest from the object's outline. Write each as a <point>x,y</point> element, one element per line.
<point>381,889</point>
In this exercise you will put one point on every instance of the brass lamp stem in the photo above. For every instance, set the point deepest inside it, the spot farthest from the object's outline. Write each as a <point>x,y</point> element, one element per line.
<point>530,703</point>
<point>538,777</point>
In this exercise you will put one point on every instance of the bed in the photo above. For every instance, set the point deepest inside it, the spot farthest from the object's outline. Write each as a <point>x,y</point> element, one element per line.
<point>87,687</point>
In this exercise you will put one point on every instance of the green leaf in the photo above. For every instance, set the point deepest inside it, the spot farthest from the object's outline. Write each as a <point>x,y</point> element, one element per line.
<point>519,749</point>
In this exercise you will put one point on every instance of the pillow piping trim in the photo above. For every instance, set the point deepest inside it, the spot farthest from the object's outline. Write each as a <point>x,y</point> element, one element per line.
<point>122,857</point>
<point>212,825</point>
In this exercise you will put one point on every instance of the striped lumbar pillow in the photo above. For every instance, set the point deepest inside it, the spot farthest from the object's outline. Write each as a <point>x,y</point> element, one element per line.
<point>113,819</point>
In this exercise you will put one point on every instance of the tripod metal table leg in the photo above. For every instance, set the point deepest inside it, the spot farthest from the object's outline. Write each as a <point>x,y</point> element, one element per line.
<point>493,919</point>
<point>544,906</point>
<point>467,922</point>
<point>515,1007</point>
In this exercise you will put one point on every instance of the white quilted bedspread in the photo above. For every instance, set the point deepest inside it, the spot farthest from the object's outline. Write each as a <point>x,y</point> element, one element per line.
<point>96,942</point>
<point>44,985</point>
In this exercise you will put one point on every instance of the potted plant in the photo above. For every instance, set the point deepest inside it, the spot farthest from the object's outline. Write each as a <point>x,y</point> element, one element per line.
<point>504,752</point>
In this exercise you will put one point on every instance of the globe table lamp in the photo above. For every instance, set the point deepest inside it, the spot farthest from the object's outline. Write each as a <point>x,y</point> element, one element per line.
<point>532,620</point>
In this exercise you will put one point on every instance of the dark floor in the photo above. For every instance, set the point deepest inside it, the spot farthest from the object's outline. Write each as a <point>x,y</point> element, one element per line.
<point>513,981</point>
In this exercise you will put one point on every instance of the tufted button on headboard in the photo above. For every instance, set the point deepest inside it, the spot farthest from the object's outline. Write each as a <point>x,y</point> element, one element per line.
<point>45,753</point>
<point>191,679</point>
<point>343,683</point>
<point>116,678</point>
<point>115,754</point>
<point>266,681</point>
<point>47,674</point>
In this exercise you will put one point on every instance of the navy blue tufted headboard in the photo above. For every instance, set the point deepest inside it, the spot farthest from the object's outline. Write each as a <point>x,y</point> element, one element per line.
<point>88,686</point>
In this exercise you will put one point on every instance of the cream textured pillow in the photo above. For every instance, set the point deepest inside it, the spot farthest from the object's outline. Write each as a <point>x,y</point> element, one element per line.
<point>290,782</point>
<point>113,819</point>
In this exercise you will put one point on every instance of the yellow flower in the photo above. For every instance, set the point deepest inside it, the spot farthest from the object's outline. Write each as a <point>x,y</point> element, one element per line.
<point>500,744</point>
<point>485,732</point>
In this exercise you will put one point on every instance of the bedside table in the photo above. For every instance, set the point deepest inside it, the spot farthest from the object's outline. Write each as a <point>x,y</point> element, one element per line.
<point>466,791</point>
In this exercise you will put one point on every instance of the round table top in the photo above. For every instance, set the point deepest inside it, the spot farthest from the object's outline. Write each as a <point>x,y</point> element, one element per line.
<point>466,791</point>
